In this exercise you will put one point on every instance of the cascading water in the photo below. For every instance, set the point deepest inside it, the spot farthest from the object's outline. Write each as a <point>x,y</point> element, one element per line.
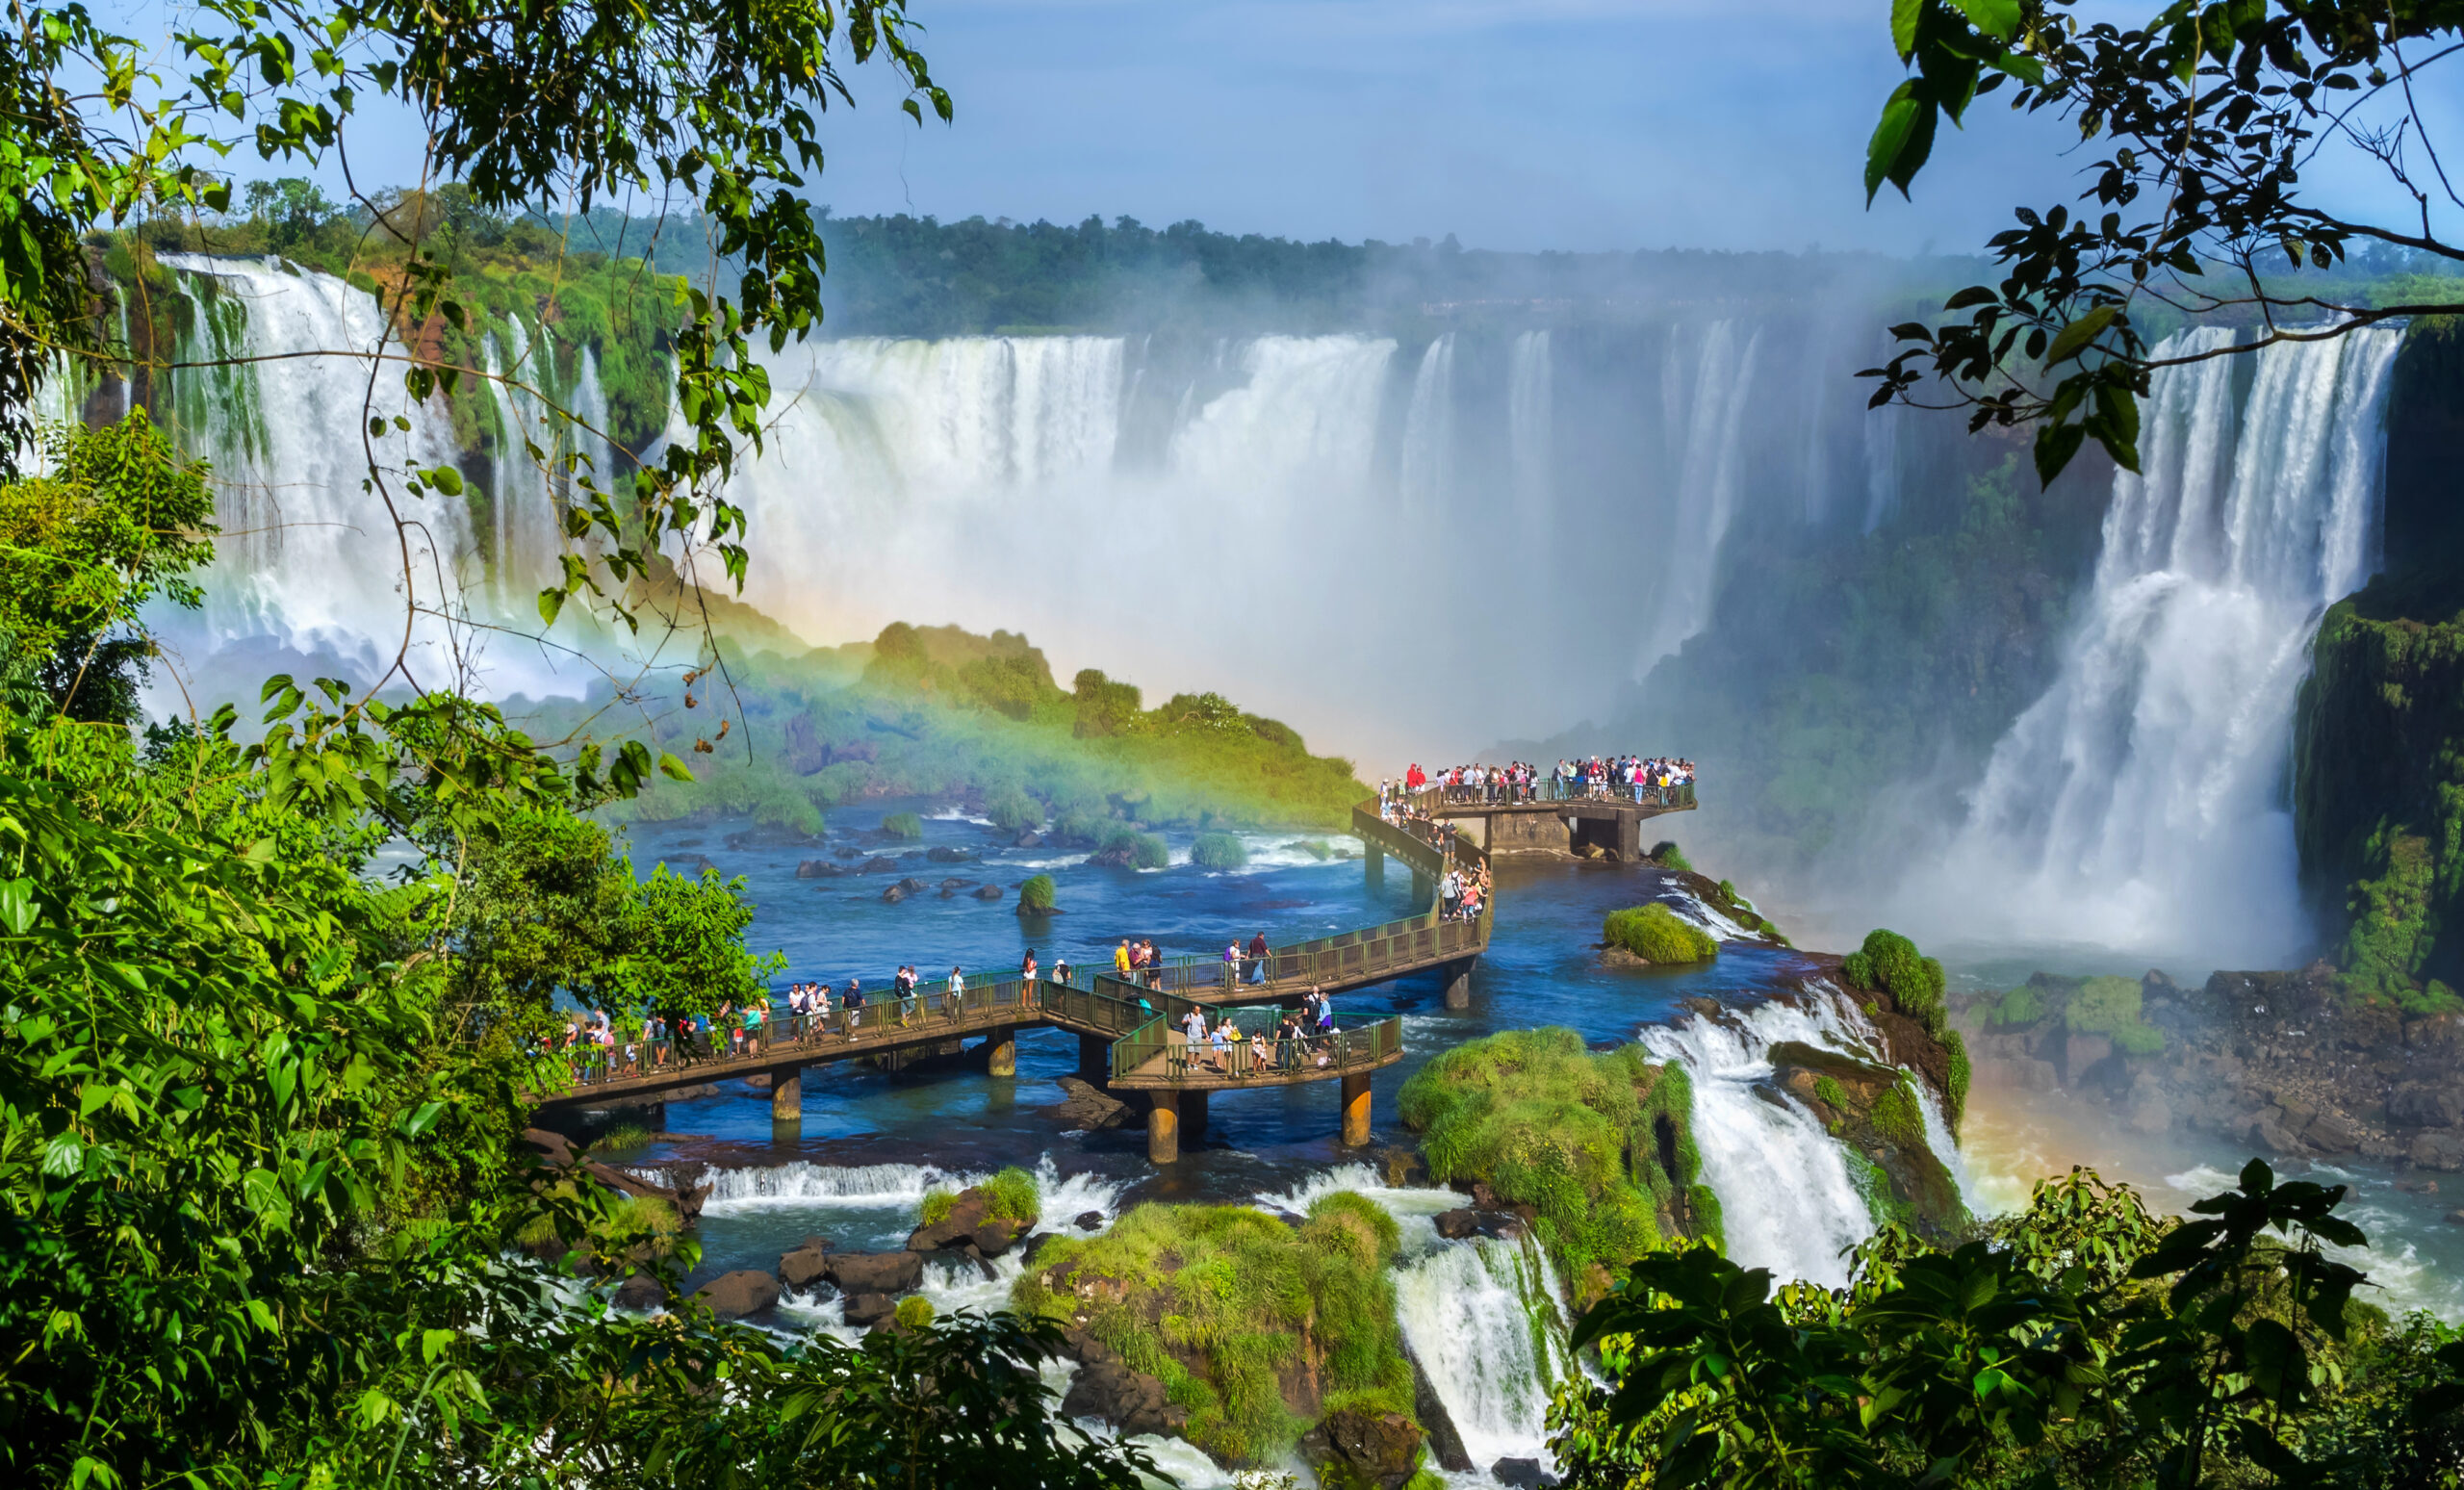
<point>1706,410</point>
<point>1482,1317</point>
<point>2140,802</point>
<point>1786,1197</point>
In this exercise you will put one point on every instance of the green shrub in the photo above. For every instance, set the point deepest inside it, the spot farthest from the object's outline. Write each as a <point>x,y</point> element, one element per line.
<point>915,1312</point>
<point>2103,1006</point>
<point>1012,810</point>
<point>1014,1195</point>
<point>1890,963</point>
<point>1668,856</point>
<point>1035,895</point>
<point>1575,1133</point>
<point>1956,1079</point>
<point>1830,1093</point>
<point>1897,1117</point>
<point>2139,1039</point>
<point>1219,851</point>
<point>938,1202</point>
<point>2022,1005</point>
<point>2422,1003</point>
<point>1656,934</point>
<point>1251,1300</point>
<point>903,825</point>
<point>1146,850</point>
<point>619,1138</point>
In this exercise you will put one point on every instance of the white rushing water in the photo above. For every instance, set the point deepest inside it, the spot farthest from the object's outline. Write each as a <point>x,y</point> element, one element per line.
<point>1483,1318</point>
<point>2142,800</point>
<point>1785,1195</point>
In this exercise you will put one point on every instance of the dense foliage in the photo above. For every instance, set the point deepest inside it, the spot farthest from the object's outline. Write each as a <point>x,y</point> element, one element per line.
<point>2081,1343</point>
<point>1599,1145</point>
<point>260,1188</point>
<point>938,711</point>
<point>2211,113</point>
<point>1219,1302</point>
<point>1890,963</point>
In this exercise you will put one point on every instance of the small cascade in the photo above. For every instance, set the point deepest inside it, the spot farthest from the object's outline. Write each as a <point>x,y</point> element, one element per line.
<point>801,1183</point>
<point>1483,1319</point>
<point>1530,420</point>
<point>1429,458</point>
<point>1704,392</point>
<point>1786,1197</point>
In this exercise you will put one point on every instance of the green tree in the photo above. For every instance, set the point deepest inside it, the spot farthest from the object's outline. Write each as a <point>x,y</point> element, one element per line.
<point>2210,116</point>
<point>684,946</point>
<point>117,518</point>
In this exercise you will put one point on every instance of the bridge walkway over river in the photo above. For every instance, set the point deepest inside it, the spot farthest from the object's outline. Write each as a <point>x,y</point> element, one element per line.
<point>1130,1031</point>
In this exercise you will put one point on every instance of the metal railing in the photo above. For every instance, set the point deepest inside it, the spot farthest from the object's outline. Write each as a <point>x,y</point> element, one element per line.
<point>1254,1056</point>
<point>1548,789</point>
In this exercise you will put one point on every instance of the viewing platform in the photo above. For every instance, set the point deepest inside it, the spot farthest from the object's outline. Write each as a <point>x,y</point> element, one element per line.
<point>1609,820</point>
<point>1131,1038</point>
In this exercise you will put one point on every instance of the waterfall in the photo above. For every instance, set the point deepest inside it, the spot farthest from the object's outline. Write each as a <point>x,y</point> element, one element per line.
<point>1427,461</point>
<point>1530,434</point>
<point>2140,801</point>
<point>1482,1317</point>
<point>1787,1198</point>
<point>1704,393</point>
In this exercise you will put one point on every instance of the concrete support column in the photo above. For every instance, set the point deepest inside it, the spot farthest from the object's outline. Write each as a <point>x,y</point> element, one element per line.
<point>787,1095</point>
<point>1356,1110</point>
<point>1094,1059</point>
<point>1194,1117</point>
<point>1630,838</point>
<point>1374,860</point>
<point>1458,982</point>
<point>1164,1129</point>
<point>1002,1048</point>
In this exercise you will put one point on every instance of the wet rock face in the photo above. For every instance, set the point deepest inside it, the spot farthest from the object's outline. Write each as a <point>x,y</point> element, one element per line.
<point>734,1295</point>
<point>1106,1388</point>
<point>1086,1107</point>
<point>1871,1110</point>
<point>865,1310</point>
<point>875,1273</point>
<point>1363,1449</point>
<point>808,1264</point>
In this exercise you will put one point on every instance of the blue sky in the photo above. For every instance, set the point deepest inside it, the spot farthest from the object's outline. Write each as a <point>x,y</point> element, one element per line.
<point>1576,125</point>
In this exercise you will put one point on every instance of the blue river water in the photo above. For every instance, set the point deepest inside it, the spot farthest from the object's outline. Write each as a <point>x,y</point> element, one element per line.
<point>870,1142</point>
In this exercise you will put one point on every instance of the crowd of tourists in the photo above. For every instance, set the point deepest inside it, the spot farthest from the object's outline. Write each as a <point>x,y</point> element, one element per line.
<point>1652,779</point>
<point>1300,1038</point>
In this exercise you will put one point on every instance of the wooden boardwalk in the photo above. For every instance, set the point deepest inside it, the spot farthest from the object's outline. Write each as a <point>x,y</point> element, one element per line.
<point>1135,1025</point>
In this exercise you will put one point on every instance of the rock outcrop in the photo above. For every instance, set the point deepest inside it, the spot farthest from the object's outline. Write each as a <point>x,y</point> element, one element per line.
<point>1088,1106</point>
<point>970,1227</point>
<point>874,1273</point>
<point>1873,1112</point>
<point>734,1294</point>
<point>808,1264</point>
<point>1105,1387</point>
<point>1359,1449</point>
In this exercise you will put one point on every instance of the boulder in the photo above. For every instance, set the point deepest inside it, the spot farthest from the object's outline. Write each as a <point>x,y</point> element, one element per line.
<point>968,1224</point>
<point>878,864</point>
<point>1521,1475</point>
<point>945,854</point>
<point>2423,1107</point>
<point>808,1264</point>
<point>988,892</point>
<point>1105,1387</point>
<point>1455,1226</point>
<point>734,1295</point>
<point>642,1293</point>
<point>875,1273</point>
<point>819,869</point>
<point>1028,840</point>
<point>1483,1198</point>
<point>2441,1152</point>
<point>2455,1217</point>
<point>2332,1132</point>
<point>2438,1033</point>
<point>865,1310</point>
<point>1088,1107</point>
<point>2273,1137</point>
<point>758,1081</point>
<point>1088,1220</point>
<point>1363,1449</point>
<point>954,882</point>
<point>896,893</point>
<point>1445,1439</point>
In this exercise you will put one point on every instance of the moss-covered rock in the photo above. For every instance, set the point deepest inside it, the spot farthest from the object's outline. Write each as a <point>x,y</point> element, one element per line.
<point>1889,962</point>
<point>1035,895</point>
<point>1600,1144</point>
<point>1877,1116</point>
<point>1656,934</point>
<point>1256,1329</point>
<point>903,825</point>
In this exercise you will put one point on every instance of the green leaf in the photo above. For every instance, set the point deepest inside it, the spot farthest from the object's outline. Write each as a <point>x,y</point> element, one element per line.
<point>446,479</point>
<point>17,910</point>
<point>673,769</point>
<point>1996,19</point>
<point>2055,445</point>
<point>2076,337</point>
<point>1903,17</point>
<point>1890,137</point>
<point>552,604</point>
